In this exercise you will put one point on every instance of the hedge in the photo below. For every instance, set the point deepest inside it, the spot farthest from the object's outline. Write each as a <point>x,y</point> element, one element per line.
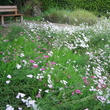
<point>99,6</point>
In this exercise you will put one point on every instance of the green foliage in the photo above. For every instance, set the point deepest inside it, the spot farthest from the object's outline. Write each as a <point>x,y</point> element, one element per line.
<point>38,18</point>
<point>99,6</point>
<point>69,59</point>
<point>75,17</point>
<point>15,32</point>
<point>82,16</point>
<point>28,6</point>
<point>1,27</point>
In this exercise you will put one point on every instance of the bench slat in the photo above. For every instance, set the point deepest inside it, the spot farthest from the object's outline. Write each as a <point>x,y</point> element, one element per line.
<point>8,7</point>
<point>8,10</point>
<point>12,15</point>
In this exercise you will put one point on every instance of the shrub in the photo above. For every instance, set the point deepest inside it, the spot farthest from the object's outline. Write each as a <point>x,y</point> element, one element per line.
<point>82,16</point>
<point>70,17</point>
<point>100,6</point>
<point>56,15</point>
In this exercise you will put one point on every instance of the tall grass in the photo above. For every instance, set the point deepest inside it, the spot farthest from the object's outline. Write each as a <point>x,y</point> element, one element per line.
<point>48,67</point>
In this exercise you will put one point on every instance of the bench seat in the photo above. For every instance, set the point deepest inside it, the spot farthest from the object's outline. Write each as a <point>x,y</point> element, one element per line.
<point>10,9</point>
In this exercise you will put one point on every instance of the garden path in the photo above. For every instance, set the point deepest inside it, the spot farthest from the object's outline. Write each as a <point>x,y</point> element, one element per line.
<point>5,28</point>
<point>57,24</point>
<point>8,23</point>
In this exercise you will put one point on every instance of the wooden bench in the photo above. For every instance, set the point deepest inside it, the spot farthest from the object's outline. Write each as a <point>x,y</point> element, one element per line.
<point>10,9</point>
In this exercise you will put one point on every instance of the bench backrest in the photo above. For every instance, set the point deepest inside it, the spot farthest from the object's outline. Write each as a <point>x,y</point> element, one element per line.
<point>8,9</point>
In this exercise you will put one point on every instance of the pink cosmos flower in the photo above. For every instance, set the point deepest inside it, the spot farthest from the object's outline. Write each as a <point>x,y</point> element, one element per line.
<point>32,40</point>
<point>46,56</point>
<point>42,69</point>
<point>53,63</point>
<point>5,40</point>
<point>1,52</point>
<point>78,91</point>
<point>40,52</point>
<point>35,49</point>
<point>104,86</point>
<point>37,57</point>
<point>44,49</point>
<point>72,93</point>
<point>36,66</point>
<point>39,46</point>
<point>84,78</point>
<point>93,77</point>
<point>69,77</point>
<point>47,64</point>
<point>38,95</point>
<point>40,79</point>
<point>38,36</point>
<point>87,82</point>
<point>31,61</point>
<point>97,87</point>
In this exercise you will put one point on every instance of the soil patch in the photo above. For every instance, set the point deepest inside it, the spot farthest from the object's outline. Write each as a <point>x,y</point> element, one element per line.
<point>4,32</point>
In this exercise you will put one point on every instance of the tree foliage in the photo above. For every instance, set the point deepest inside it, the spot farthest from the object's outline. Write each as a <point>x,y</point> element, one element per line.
<point>100,6</point>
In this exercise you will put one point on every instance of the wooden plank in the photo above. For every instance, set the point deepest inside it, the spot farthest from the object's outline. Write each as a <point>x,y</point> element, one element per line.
<point>8,6</point>
<point>8,10</point>
<point>11,15</point>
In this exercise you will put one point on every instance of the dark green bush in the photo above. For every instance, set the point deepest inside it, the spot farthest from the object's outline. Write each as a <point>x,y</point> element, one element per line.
<point>98,6</point>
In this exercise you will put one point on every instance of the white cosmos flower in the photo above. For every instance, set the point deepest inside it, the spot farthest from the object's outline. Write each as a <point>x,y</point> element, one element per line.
<point>61,88</point>
<point>18,66</point>
<point>92,88</point>
<point>63,81</point>
<point>50,53</point>
<point>19,108</point>
<point>9,107</point>
<point>47,91</point>
<point>50,86</point>
<point>30,103</point>
<point>22,55</point>
<point>30,75</point>
<point>40,76</point>
<point>20,95</point>
<point>9,76</point>
<point>8,81</point>
<point>24,62</point>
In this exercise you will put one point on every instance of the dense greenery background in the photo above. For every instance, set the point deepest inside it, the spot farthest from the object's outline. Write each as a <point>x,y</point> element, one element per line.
<point>98,6</point>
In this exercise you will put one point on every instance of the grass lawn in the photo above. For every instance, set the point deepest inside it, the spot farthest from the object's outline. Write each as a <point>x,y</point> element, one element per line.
<point>48,67</point>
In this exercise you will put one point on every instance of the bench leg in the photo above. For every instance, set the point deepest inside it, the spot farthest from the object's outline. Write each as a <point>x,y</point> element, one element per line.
<point>2,20</point>
<point>21,19</point>
<point>15,19</point>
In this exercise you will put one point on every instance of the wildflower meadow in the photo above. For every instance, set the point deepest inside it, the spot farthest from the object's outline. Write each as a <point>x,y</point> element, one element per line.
<point>48,67</point>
